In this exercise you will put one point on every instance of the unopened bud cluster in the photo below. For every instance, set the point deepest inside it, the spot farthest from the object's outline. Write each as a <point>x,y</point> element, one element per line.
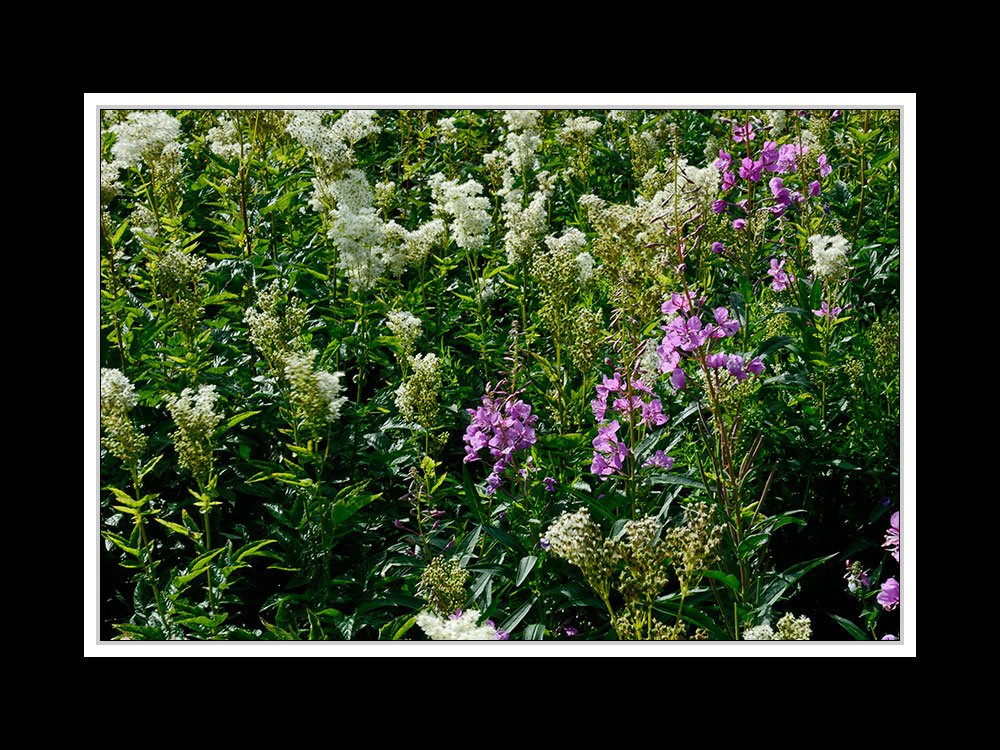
<point>273,330</point>
<point>179,275</point>
<point>443,585</point>
<point>694,546</point>
<point>576,538</point>
<point>417,397</point>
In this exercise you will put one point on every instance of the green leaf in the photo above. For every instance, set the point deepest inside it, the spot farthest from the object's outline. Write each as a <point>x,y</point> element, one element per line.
<point>512,622</point>
<point>524,567</point>
<point>727,578</point>
<point>857,633</point>
<point>534,632</point>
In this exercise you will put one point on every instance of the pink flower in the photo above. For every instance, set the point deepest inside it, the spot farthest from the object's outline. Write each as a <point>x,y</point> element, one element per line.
<point>888,597</point>
<point>781,279</point>
<point>660,460</point>
<point>892,536</point>
<point>743,133</point>
<point>824,166</point>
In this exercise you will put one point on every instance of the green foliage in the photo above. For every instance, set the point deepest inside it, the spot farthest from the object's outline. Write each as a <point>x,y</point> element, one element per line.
<point>256,255</point>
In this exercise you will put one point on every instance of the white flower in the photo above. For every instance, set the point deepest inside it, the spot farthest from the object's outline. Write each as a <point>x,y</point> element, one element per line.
<point>467,208</point>
<point>117,393</point>
<point>829,256</point>
<point>464,626</point>
<point>143,136</point>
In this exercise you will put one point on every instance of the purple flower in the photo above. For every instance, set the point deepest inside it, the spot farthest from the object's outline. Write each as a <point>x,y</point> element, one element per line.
<point>660,460</point>
<point>856,577</point>
<point>718,206</point>
<point>739,223</point>
<point>825,311</point>
<point>544,543</point>
<point>824,166</point>
<point>724,160</point>
<point>750,169</point>
<point>652,413</point>
<point>725,326</point>
<point>728,181</point>
<point>892,536</point>
<point>780,277</point>
<point>688,333</point>
<point>756,366</point>
<point>769,156</point>
<point>718,247</point>
<point>550,484</point>
<point>835,115</point>
<point>888,597</point>
<point>743,133</point>
<point>889,638</point>
<point>571,631</point>
<point>678,379</point>
<point>814,188</point>
<point>787,158</point>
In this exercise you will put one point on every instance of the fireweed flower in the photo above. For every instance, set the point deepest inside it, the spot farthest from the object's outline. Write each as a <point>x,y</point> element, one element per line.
<point>780,279</point>
<point>550,484</point>
<point>660,460</point>
<point>825,167</point>
<point>825,311</point>
<point>505,429</point>
<point>743,133</point>
<point>888,597</point>
<point>892,537</point>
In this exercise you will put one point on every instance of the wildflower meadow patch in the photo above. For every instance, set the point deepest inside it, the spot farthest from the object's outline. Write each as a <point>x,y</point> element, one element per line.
<point>500,375</point>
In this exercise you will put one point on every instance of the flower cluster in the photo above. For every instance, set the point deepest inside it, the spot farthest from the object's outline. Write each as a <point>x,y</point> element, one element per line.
<point>466,209</point>
<point>417,397</point>
<point>196,418</point>
<point>406,327</point>
<point>829,256</point>
<point>505,428</point>
<point>686,334</point>
<point>460,626</point>
<point>442,584</point>
<point>790,628</point>
<point>315,392</point>
<point>274,323</point>
<point>122,438</point>
<point>576,538</point>
<point>143,137</point>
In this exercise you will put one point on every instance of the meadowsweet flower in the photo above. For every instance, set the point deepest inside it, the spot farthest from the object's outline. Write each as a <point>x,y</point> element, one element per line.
<point>576,538</point>
<point>406,327</point>
<point>464,206</point>
<point>829,256</point>
<point>143,136</point>
<point>417,396</point>
<point>442,584</point>
<point>462,626</point>
<point>224,139</point>
<point>315,393</point>
<point>196,418</point>
<point>121,437</point>
<point>888,597</point>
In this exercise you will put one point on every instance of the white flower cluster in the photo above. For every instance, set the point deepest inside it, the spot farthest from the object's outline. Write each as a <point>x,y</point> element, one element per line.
<point>790,628</point>
<point>406,327</point>
<point>523,138</point>
<point>447,130</point>
<point>829,256</point>
<point>194,410</point>
<point>576,538</point>
<point>578,130</point>
<point>416,244</point>
<point>526,225</point>
<point>572,242</point>
<point>143,136</point>
<point>332,145</point>
<point>466,208</point>
<point>224,141</point>
<point>117,393</point>
<point>359,233</point>
<point>463,627</point>
<point>315,391</point>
